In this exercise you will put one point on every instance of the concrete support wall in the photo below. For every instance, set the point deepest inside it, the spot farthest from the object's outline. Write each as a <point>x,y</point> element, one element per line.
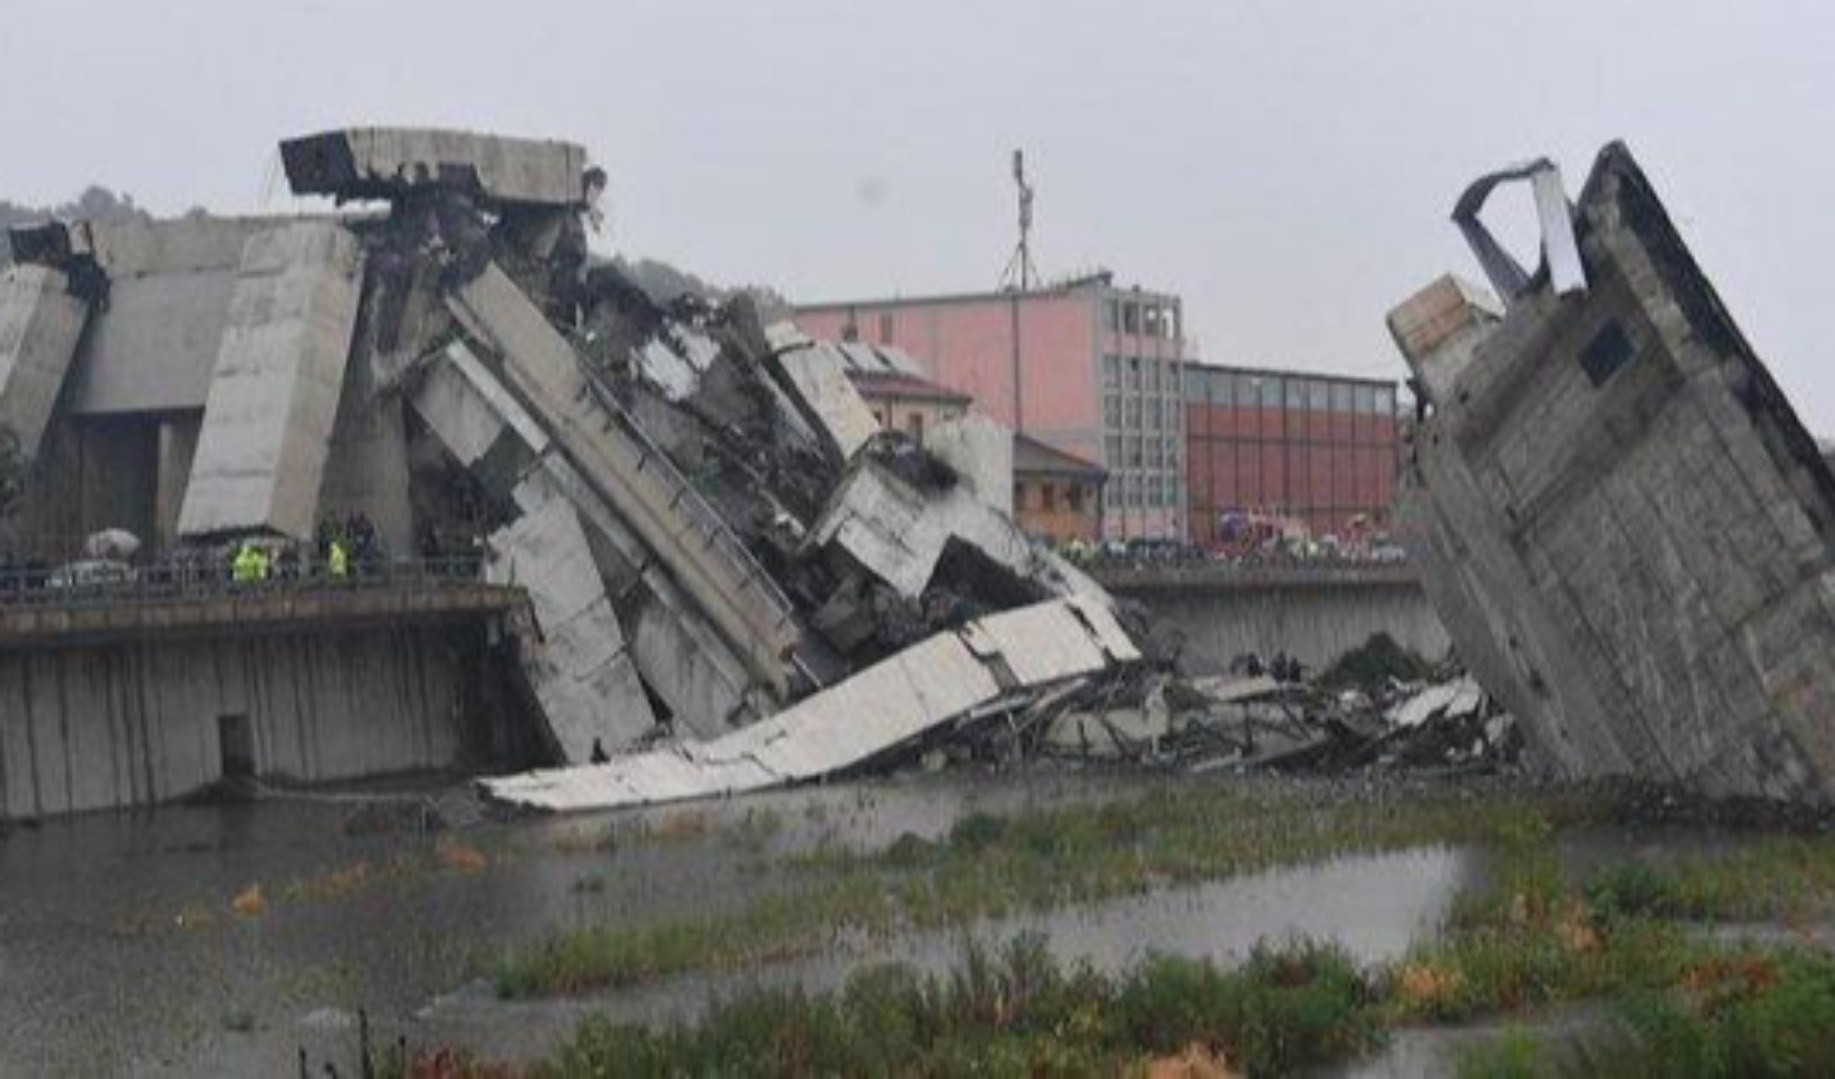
<point>278,376</point>
<point>1316,624</point>
<point>107,725</point>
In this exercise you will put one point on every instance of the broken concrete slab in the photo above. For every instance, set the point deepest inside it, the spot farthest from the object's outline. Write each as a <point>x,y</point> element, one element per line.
<point>387,162</point>
<point>899,531</point>
<point>632,474</point>
<point>1624,525</point>
<point>942,679</point>
<point>274,390</point>
<point>41,324</point>
<point>819,380</point>
<point>580,669</point>
<point>703,683</point>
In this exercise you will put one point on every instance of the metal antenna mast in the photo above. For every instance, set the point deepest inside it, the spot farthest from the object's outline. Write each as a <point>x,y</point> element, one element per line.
<point>1020,272</point>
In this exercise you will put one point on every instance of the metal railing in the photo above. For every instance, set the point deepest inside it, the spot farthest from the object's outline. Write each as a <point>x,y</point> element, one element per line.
<point>89,584</point>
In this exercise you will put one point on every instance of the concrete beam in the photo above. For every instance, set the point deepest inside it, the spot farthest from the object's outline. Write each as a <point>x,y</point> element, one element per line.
<point>681,658</point>
<point>579,669</point>
<point>386,162</point>
<point>633,476</point>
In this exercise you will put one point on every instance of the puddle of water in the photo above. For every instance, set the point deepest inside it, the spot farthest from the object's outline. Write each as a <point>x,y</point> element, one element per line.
<point>1373,905</point>
<point>120,951</point>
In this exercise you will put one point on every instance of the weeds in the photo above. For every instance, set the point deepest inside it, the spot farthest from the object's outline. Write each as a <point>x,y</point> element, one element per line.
<point>1011,1012</point>
<point>992,866</point>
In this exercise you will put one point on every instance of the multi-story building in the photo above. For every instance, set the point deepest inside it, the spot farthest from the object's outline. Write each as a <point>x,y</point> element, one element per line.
<point>1320,449</point>
<point>1084,367</point>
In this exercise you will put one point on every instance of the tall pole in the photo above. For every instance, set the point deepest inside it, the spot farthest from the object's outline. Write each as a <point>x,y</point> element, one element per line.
<point>1020,273</point>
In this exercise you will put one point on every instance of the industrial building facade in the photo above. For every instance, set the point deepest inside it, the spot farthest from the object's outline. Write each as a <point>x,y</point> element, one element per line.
<point>1319,449</point>
<point>1084,367</point>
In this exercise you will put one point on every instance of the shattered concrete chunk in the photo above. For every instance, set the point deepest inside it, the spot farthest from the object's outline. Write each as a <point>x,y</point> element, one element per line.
<point>819,379</point>
<point>899,531</point>
<point>889,704</point>
<point>634,476</point>
<point>581,672</point>
<point>274,390</point>
<point>703,683</point>
<point>1623,523</point>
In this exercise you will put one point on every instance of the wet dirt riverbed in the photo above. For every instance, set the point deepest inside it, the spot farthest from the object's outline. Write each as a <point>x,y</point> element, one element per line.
<point>223,939</point>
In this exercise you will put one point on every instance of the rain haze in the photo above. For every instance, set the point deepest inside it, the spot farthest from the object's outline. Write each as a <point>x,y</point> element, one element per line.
<point>545,657</point>
<point>1286,167</point>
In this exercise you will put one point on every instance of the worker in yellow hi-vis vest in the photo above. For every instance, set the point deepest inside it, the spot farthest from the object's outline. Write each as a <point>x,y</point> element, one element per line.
<point>338,560</point>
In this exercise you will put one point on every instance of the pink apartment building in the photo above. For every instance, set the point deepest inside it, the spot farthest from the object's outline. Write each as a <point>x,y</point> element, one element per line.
<point>1090,369</point>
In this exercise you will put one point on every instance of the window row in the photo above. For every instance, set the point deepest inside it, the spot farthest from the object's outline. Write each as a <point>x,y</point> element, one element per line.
<point>1135,414</point>
<point>1292,393</point>
<point>1128,490</point>
<point>1142,318</point>
<point>1143,451</point>
<point>1141,373</point>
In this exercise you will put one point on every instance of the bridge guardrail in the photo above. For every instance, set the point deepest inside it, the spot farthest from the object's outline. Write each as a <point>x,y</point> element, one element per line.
<point>99,584</point>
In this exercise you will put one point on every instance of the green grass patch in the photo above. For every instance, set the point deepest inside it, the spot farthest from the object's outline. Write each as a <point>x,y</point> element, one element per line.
<point>1012,1013</point>
<point>992,866</point>
<point>1781,877</point>
<point>1733,1014</point>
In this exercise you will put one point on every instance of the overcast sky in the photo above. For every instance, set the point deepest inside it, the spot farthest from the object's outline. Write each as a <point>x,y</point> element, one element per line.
<point>1286,166</point>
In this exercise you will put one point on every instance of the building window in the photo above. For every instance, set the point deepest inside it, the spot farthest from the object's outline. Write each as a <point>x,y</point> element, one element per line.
<point>885,327</point>
<point>1111,372</point>
<point>1130,318</point>
<point>1048,495</point>
<point>1319,395</point>
<point>850,331</point>
<point>1112,451</point>
<point>1111,411</point>
<point>1155,416</point>
<point>1153,375</point>
<point>1341,397</point>
<point>1150,319</point>
<point>1134,373</point>
<point>1131,414</point>
<point>1134,451</point>
<point>916,421</point>
<point>1075,494</point>
<point>1111,315</point>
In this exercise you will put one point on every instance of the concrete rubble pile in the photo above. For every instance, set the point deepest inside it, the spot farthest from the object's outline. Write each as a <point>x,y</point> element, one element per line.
<point>732,572</point>
<point>1622,523</point>
<point>1257,723</point>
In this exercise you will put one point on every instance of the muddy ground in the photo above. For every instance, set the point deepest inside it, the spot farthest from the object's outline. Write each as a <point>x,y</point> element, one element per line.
<point>226,939</point>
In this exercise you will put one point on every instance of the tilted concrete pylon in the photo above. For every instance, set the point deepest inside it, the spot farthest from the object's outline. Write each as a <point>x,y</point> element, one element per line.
<point>274,392</point>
